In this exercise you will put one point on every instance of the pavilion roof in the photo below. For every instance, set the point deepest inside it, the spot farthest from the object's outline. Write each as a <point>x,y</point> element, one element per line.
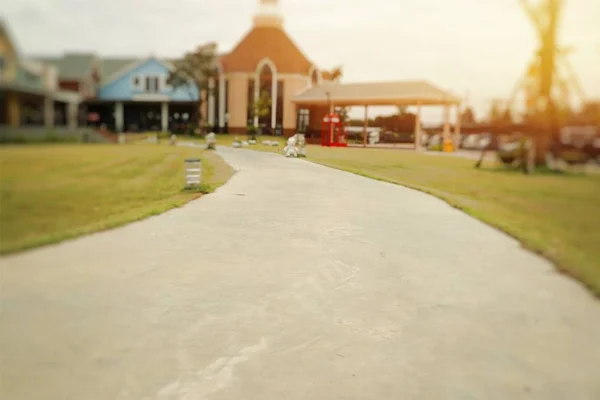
<point>377,94</point>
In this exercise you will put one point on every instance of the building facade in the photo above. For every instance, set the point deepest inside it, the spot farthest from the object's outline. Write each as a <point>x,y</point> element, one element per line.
<point>266,60</point>
<point>132,94</point>
<point>138,98</point>
<point>29,91</point>
<point>125,94</point>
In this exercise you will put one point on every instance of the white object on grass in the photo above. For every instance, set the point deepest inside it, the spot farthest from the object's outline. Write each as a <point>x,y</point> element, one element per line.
<point>193,172</point>
<point>211,141</point>
<point>374,137</point>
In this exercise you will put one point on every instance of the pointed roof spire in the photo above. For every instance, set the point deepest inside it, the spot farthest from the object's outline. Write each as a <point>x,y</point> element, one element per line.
<point>269,14</point>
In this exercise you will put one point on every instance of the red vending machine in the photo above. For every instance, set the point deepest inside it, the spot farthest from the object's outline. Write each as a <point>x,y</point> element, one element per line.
<point>333,133</point>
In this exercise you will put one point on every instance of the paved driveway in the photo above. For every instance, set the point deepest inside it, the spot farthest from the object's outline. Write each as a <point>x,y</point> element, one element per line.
<point>295,281</point>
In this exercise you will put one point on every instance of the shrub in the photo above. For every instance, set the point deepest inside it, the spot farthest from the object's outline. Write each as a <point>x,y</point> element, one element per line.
<point>19,138</point>
<point>51,137</point>
<point>251,131</point>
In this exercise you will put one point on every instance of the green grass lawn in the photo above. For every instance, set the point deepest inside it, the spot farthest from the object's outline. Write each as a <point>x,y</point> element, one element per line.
<point>557,216</point>
<point>49,193</point>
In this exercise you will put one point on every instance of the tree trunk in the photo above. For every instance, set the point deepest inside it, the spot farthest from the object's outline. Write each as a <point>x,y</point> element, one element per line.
<point>529,161</point>
<point>481,157</point>
<point>541,146</point>
<point>196,117</point>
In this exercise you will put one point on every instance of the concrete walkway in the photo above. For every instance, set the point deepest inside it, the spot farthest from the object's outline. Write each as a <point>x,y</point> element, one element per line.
<point>295,281</point>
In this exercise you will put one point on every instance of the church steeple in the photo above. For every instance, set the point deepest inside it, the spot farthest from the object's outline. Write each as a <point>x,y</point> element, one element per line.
<point>269,14</point>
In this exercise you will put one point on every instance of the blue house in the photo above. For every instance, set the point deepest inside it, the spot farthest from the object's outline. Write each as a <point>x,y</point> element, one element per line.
<point>134,96</point>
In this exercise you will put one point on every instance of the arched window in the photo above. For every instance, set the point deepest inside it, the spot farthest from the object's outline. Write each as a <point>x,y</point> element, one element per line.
<point>265,77</point>
<point>263,87</point>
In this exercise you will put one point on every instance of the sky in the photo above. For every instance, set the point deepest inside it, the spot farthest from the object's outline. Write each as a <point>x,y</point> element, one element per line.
<point>477,49</point>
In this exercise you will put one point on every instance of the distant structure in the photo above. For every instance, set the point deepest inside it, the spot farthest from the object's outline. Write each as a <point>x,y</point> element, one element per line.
<point>265,60</point>
<point>29,90</point>
<point>125,94</point>
<point>83,89</point>
<point>133,94</point>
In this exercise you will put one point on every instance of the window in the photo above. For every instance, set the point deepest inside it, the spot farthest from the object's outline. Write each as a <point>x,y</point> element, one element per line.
<point>250,112</point>
<point>164,82</point>
<point>279,104</point>
<point>152,84</point>
<point>303,120</point>
<point>136,82</point>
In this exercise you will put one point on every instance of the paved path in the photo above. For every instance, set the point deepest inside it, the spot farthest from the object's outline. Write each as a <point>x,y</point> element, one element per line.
<point>295,281</point>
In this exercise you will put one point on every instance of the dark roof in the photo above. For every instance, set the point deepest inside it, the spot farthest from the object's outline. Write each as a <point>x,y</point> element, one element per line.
<point>71,66</point>
<point>109,66</point>
<point>262,42</point>
<point>76,66</point>
<point>112,65</point>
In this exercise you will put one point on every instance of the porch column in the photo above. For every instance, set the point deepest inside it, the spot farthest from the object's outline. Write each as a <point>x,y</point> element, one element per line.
<point>119,116</point>
<point>72,115</point>
<point>331,111</point>
<point>13,110</point>
<point>365,126</point>
<point>204,109</point>
<point>211,102</point>
<point>418,128</point>
<point>48,112</point>
<point>274,101</point>
<point>164,116</point>
<point>447,141</point>
<point>256,96</point>
<point>457,127</point>
<point>222,96</point>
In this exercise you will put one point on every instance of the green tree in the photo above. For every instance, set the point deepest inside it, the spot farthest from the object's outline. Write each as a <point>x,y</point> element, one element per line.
<point>590,113</point>
<point>259,108</point>
<point>495,114</point>
<point>468,117</point>
<point>195,70</point>
<point>343,112</point>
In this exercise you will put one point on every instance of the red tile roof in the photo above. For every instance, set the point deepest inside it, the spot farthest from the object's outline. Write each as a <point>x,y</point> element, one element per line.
<point>266,42</point>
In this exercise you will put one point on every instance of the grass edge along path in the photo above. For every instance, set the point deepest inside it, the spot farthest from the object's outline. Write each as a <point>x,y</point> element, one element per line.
<point>215,173</point>
<point>565,262</point>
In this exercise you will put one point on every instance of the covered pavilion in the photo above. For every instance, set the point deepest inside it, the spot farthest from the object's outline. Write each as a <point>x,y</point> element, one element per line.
<point>316,102</point>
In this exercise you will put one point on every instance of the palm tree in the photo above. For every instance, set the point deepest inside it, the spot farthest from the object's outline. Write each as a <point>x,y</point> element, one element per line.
<point>337,73</point>
<point>195,70</point>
